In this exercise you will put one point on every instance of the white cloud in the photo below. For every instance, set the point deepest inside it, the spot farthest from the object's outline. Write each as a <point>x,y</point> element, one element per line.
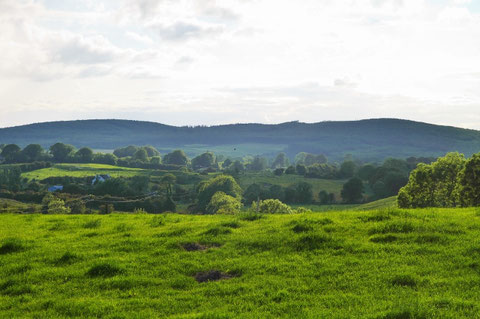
<point>280,60</point>
<point>180,30</point>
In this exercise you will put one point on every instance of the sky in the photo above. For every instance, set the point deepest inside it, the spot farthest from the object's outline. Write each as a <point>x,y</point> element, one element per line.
<point>207,62</point>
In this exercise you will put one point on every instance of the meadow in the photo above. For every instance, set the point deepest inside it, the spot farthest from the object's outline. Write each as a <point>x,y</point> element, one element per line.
<point>387,263</point>
<point>82,170</point>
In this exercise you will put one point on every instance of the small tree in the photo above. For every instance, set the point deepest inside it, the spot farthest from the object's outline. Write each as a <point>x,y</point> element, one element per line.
<point>57,206</point>
<point>222,203</point>
<point>106,209</point>
<point>141,155</point>
<point>352,190</point>
<point>468,188</point>
<point>271,206</point>
<point>61,151</point>
<point>176,157</point>
<point>84,155</point>
<point>222,183</point>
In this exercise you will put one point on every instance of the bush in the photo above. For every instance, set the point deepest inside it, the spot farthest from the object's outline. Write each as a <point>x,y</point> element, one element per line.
<point>271,206</point>
<point>222,183</point>
<point>222,203</point>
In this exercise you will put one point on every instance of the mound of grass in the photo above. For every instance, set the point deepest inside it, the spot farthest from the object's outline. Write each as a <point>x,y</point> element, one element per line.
<point>157,221</point>
<point>104,270</point>
<point>315,241</point>
<point>404,280</point>
<point>231,224</point>
<point>377,217</point>
<point>96,223</point>
<point>302,228</point>
<point>213,275</point>
<point>14,288</point>
<point>404,314</point>
<point>394,227</point>
<point>250,216</point>
<point>66,259</point>
<point>11,245</point>
<point>430,239</point>
<point>216,231</point>
<point>383,239</point>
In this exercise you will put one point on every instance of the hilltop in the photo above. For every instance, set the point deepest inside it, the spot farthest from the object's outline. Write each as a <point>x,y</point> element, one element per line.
<point>373,139</point>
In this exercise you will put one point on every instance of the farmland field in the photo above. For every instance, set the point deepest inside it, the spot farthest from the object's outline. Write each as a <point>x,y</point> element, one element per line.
<point>329,185</point>
<point>82,170</point>
<point>376,264</point>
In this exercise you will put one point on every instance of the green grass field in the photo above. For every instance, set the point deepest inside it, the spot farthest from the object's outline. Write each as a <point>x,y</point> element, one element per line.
<point>13,206</point>
<point>389,202</point>
<point>377,264</point>
<point>329,185</point>
<point>83,170</point>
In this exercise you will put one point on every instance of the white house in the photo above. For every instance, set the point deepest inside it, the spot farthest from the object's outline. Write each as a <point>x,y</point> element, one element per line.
<point>100,178</point>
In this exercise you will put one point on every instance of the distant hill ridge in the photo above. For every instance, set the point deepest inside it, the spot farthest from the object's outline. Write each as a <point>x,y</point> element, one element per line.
<point>373,139</point>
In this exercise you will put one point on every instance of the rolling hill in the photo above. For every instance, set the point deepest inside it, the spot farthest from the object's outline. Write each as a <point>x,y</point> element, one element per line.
<point>373,139</point>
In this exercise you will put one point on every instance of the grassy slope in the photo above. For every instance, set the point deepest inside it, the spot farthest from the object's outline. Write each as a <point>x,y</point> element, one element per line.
<point>82,170</point>
<point>13,206</point>
<point>389,202</point>
<point>383,264</point>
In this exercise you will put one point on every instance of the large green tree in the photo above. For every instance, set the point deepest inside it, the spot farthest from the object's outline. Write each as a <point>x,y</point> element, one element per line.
<point>352,191</point>
<point>33,152</point>
<point>10,152</point>
<point>61,151</point>
<point>204,160</point>
<point>221,183</point>
<point>468,188</point>
<point>176,157</point>
<point>84,155</point>
<point>281,161</point>
<point>434,185</point>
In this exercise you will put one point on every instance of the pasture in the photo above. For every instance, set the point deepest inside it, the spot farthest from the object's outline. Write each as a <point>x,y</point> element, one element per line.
<point>82,170</point>
<point>386,263</point>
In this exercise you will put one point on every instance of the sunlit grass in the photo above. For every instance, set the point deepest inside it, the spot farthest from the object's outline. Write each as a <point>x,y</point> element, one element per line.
<point>388,263</point>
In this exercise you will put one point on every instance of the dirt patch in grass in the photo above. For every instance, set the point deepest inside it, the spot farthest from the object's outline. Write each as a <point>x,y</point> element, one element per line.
<point>213,275</point>
<point>194,246</point>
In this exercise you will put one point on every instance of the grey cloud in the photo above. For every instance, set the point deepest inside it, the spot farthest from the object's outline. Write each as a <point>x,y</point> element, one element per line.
<point>78,50</point>
<point>181,31</point>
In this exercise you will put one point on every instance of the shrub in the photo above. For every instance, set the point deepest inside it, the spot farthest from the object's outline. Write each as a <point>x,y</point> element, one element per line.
<point>271,206</point>
<point>57,206</point>
<point>222,183</point>
<point>222,203</point>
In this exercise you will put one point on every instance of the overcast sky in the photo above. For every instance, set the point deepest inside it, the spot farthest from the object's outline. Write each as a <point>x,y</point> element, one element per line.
<point>192,62</point>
